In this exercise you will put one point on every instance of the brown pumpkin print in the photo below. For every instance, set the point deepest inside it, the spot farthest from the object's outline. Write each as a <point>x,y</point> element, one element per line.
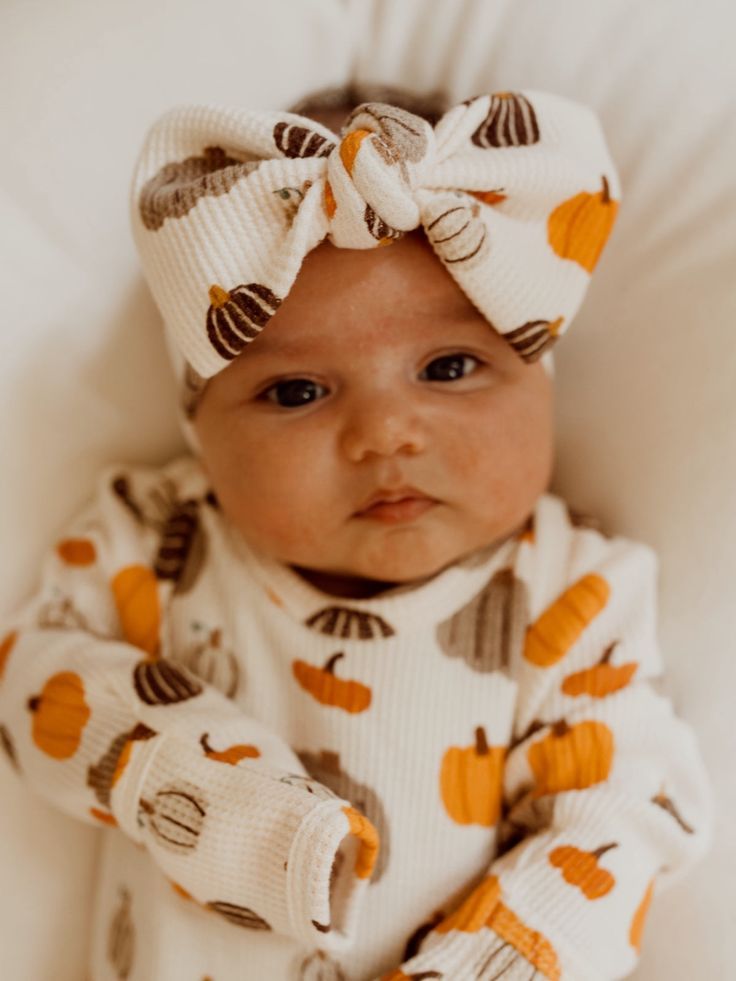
<point>175,816</point>
<point>121,938</point>
<point>211,661</point>
<point>76,551</point>
<point>578,229</point>
<point>580,868</point>
<point>510,121</point>
<point>319,966</point>
<point>103,775</point>
<point>135,591</point>
<point>488,632</point>
<point>178,185</point>
<point>296,141</point>
<point>327,688</point>
<point>232,755</point>
<point>164,683</point>
<point>378,228</point>
<point>241,916</point>
<point>471,781</point>
<point>636,929</point>
<point>401,136</point>
<point>532,339</point>
<point>668,805</point>
<point>602,679</point>
<point>325,768</point>
<point>60,714</point>
<point>552,635</point>
<point>182,552</point>
<point>571,757</point>
<point>458,233</point>
<point>6,646</point>
<point>60,613</point>
<point>236,316</point>
<point>341,621</point>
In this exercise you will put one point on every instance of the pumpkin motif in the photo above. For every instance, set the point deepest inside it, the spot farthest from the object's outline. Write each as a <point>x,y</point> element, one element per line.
<point>488,632</point>
<point>378,228</point>
<point>329,200</point>
<point>182,552</point>
<point>103,775</point>
<point>163,683</point>
<point>533,338</point>
<point>341,621</point>
<point>600,680</point>
<point>458,233</point>
<point>367,835</point>
<point>235,317</point>
<point>325,768</point>
<point>322,683</point>
<point>298,141</point>
<point>580,868</point>
<point>571,757</point>
<point>490,197</point>
<point>511,121</point>
<point>103,816</point>
<point>60,714</point>
<point>232,755</point>
<point>636,930</point>
<point>175,816</point>
<point>240,916</point>
<point>530,943</point>
<point>121,938</point>
<point>135,591</point>
<point>76,551</point>
<point>59,613</point>
<point>213,663</point>
<point>6,646</point>
<point>319,966</point>
<point>176,188</point>
<point>578,229</point>
<point>471,781</point>
<point>552,635</point>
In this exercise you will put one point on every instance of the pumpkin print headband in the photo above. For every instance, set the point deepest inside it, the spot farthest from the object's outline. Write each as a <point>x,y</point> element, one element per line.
<point>515,191</point>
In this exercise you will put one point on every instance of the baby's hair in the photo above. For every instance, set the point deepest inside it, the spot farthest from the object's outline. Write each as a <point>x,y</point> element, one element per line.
<point>429,105</point>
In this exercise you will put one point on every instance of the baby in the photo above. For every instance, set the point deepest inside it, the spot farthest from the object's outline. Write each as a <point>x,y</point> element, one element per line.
<point>352,694</point>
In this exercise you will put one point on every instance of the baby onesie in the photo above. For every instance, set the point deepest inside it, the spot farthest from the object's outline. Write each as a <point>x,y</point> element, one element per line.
<point>465,777</point>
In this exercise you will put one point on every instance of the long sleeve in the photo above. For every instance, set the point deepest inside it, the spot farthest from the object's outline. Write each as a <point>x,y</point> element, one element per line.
<point>606,798</point>
<point>108,730</point>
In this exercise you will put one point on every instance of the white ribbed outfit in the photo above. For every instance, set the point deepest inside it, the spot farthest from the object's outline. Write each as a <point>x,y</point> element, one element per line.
<point>495,724</point>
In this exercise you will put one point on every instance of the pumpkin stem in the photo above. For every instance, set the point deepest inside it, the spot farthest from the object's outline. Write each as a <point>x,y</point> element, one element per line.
<point>480,741</point>
<point>606,659</point>
<point>330,665</point>
<point>606,191</point>
<point>34,702</point>
<point>205,744</point>
<point>533,726</point>
<point>604,848</point>
<point>560,728</point>
<point>145,806</point>
<point>141,731</point>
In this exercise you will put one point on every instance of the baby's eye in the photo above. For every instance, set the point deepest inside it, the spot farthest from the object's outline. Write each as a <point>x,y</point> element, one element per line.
<point>292,393</point>
<point>451,366</point>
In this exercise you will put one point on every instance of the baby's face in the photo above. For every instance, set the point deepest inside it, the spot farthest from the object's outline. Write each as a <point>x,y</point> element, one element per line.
<point>376,372</point>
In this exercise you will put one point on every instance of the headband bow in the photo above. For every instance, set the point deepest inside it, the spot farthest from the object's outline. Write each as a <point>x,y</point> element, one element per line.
<point>516,192</point>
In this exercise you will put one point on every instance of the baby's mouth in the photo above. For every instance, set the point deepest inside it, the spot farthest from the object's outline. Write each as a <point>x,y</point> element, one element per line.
<point>404,504</point>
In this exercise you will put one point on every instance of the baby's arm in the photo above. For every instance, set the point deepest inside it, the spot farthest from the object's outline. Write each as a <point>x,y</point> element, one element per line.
<point>107,731</point>
<point>605,791</point>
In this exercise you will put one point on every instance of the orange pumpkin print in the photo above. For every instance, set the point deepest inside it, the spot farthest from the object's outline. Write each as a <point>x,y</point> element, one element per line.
<point>60,714</point>
<point>76,551</point>
<point>104,816</point>
<point>135,590</point>
<point>471,781</point>
<point>366,833</point>
<point>473,913</point>
<point>329,201</point>
<point>489,197</point>
<point>552,635</point>
<point>349,147</point>
<point>531,943</point>
<point>232,755</point>
<point>571,757</point>
<point>322,683</point>
<point>580,868</point>
<point>636,929</point>
<point>6,646</point>
<point>600,680</point>
<point>578,229</point>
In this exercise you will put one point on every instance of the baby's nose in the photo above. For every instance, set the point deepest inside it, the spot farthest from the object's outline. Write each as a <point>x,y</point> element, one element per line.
<point>382,425</point>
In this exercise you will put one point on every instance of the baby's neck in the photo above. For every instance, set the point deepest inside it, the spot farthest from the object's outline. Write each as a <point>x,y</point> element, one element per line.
<point>351,587</point>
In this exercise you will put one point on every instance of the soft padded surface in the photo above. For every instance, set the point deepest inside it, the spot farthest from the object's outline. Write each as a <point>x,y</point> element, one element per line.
<point>646,375</point>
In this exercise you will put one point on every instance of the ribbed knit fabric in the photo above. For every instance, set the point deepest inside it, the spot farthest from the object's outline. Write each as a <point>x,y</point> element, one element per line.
<point>465,777</point>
